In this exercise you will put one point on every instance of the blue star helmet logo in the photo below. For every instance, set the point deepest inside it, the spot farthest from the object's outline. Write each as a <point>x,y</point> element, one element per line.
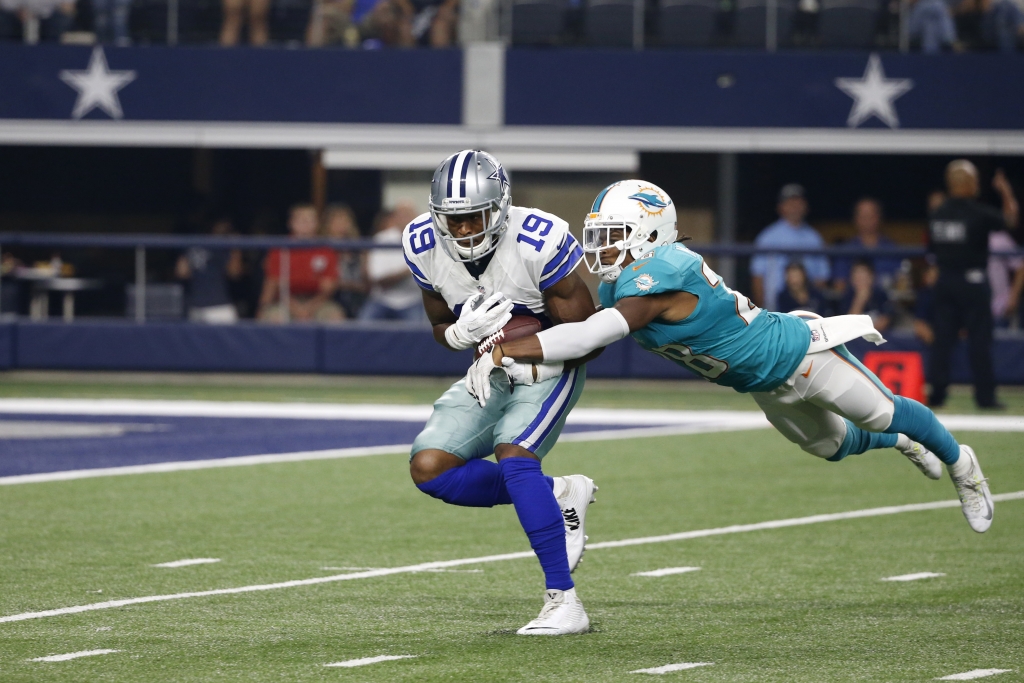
<point>500,176</point>
<point>650,201</point>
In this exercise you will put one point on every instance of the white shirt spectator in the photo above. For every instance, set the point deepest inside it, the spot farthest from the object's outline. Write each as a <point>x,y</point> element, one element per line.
<point>383,263</point>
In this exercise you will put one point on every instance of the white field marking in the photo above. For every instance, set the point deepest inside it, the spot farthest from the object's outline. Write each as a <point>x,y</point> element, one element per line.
<point>420,413</point>
<point>185,465</point>
<point>41,429</point>
<point>796,521</point>
<point>668,668</point>
<point>971,675</point>
<point>72,655</point>
<point>445,564</point>
<point>913,577</point>
<point>371,660</point>
<point>668,571</point>
<point>329,454</point>
<point>186,563</point>
<point>372,568</point>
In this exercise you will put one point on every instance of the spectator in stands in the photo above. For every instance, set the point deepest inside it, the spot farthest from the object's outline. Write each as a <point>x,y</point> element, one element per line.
<point>236,12</point>
<point>1005,276</point>
<point>393,294</point>
<point>353,282</point>
<point>924,306</point>
<point>389,24</point>
<point>865,297</point>
<point>931,23</point>
<point>1002,23</point>
<point>205,273</point>
<point>312,276</point>
<point>54,16</point>
<point>789,232</point>
<point>435,22</point>
<point>867,218</point>
<point>110,21</point>
<point>801,295</point>
<point>331,22</point>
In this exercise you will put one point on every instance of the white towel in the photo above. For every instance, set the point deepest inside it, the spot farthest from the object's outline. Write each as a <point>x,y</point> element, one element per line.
<point>827,333</point>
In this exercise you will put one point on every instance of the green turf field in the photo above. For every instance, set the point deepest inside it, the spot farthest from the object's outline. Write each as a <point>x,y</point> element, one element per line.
<point>795,604</point>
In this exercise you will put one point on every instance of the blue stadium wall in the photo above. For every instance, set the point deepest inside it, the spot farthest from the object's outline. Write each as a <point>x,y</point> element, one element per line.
<point>568,87</point>
<point>350,350</point>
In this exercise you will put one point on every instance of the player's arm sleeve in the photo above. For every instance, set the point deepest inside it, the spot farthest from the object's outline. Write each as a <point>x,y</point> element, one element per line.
<point>569,341</point>
<point>418,238</point>
<point>561,258</point>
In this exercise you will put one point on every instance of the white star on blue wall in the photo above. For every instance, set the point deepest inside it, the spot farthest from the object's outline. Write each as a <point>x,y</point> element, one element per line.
<point>97,86</point>
<point>874,94</point>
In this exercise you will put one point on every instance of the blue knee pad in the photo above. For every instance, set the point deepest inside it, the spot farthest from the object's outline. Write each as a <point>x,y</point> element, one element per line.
<point>859,441</point>
<point>921,425</point>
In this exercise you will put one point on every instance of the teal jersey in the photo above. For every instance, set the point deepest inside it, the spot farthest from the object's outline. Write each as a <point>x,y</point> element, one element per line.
<point>727,340</point>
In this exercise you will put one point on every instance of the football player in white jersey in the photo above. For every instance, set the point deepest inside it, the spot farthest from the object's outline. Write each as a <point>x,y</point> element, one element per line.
<point>479,260</point>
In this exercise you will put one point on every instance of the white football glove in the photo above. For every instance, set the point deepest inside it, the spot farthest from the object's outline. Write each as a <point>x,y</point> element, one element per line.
<point>523,373</point>
<point>478,378</point>
<point>481,317</point>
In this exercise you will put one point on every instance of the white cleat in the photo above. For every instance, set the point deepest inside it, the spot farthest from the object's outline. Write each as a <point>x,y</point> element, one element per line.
<point>563,614</point>
<point>972,487</point>
<point>923,459</point>
<point>575,496</point>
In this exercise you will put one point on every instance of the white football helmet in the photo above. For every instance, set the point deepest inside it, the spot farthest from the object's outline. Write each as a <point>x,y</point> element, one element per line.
<point>470,182</point>
<point>642,211</point>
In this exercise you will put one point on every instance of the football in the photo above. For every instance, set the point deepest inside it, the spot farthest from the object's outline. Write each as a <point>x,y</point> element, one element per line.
<point>518,327</point>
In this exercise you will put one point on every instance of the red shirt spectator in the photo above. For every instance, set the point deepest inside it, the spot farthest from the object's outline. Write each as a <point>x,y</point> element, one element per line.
<point>307,268</point>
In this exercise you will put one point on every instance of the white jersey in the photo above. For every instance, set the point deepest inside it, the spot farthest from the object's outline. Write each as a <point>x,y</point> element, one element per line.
<point>536,251</point>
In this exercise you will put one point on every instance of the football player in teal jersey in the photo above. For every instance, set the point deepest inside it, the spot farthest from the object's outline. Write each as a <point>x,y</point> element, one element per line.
<point>795,366</point>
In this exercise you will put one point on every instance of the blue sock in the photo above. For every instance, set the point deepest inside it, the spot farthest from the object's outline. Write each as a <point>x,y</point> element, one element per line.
<point>477,484</point>
<point>859,440</point>
<point>921,425</point>
<point>540,516</point>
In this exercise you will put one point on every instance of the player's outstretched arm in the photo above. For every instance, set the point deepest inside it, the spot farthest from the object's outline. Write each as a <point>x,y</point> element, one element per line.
<point>569,301</point>
<point>573,340</point>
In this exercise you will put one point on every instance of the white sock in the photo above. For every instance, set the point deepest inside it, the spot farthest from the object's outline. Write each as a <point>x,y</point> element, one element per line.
<point>903,442</point>
<point>559,487</point>
<point>961,467</point>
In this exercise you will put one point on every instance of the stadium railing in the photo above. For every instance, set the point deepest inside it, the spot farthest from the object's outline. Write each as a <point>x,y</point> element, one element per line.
<point>140,243</point>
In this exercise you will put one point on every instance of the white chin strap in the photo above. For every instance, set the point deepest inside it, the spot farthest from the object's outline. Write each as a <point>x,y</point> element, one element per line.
<point>477,250</point>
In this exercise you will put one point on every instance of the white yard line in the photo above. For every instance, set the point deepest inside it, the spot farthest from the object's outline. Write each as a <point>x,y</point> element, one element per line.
<point>667,571</point>
<point>420,413</point>
<point>668,668</point>
<point>72,655</point>
<point>445,564</point>
<point>185,465</point>
<point>371,660</point>
<point>186,563</point>
<point>971,675</point>
<point>332,454</point>
<point>913,577</point>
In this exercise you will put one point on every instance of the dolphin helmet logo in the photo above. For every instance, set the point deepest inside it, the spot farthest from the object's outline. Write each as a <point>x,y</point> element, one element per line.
<point>650,200</point>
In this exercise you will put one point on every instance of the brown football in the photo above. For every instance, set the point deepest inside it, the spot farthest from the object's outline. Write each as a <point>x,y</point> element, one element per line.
<point>518,327</point>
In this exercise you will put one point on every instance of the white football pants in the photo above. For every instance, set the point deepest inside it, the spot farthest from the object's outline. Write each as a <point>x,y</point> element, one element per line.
<point>827,387</point>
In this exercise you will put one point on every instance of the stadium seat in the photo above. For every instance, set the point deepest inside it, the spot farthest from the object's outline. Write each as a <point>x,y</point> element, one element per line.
<point>609,23</point>
<point>687,23</point>
<point>848,23</point>
<point>537,22</point>
<point>751,20</point>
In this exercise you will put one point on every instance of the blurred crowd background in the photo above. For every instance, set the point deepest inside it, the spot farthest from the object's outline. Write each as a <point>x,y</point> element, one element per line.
<point>929,26</point>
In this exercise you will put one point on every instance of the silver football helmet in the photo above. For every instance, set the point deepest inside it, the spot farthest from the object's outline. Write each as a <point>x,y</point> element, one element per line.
<point>641,214</point>
<point>470,182</point>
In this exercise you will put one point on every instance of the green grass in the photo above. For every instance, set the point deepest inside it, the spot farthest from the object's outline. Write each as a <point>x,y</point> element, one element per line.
<point>795,604</point>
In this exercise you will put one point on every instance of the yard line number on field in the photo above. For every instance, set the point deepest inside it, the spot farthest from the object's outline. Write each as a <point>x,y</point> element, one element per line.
<point>444,564</point>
